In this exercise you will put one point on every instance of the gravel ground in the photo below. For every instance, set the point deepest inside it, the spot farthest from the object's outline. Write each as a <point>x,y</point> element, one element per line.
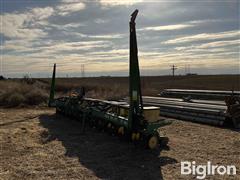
<point>37,144</point>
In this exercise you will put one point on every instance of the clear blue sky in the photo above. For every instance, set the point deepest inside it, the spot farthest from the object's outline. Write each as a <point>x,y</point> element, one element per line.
<point>37,33</point>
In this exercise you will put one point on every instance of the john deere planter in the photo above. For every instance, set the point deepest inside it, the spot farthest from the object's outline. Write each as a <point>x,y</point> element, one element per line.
<point>133,121</point>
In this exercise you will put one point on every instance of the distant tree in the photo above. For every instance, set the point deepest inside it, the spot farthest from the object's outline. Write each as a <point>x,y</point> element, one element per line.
<point>27,79</point>
<point>2,78</point>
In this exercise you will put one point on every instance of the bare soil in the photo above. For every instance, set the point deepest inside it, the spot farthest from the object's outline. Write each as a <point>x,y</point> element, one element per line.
<point>37,144</point>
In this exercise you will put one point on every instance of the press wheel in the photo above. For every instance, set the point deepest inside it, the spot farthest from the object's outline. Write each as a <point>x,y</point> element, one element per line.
<point>152,142</point>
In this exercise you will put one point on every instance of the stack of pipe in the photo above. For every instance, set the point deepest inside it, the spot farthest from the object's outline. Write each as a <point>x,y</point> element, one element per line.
<point>199,94</point>
<point>203,111</point>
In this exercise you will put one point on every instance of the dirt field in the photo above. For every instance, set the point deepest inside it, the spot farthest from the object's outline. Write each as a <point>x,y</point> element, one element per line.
<point>37,144</point>
<point>27,91</point>
<point>151,85</point>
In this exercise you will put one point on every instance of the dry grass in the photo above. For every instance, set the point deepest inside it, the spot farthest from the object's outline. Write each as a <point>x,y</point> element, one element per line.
<point>19,93</point>
<point>37,144</point>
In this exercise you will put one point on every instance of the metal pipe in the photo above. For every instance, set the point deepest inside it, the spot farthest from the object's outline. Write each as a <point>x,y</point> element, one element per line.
<point>203,91</point>
<point>194,118</point>
<point>221,103</point>
<point>186,104</point>
<point>191,109</point>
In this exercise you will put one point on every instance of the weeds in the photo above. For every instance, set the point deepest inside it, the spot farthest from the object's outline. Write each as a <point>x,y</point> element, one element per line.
<point>16,93</point>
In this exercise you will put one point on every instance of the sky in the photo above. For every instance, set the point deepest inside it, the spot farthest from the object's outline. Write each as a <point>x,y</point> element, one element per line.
<point>196,36</point>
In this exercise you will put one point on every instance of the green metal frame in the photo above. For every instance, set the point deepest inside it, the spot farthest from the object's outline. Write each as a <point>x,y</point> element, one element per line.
<point>135,96</point>
<point>52,90</point>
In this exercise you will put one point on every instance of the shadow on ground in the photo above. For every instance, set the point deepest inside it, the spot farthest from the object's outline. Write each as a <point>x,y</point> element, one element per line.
<point>105,155</point>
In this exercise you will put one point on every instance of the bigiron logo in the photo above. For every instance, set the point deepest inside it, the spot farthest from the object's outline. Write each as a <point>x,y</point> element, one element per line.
<point>201,171</point>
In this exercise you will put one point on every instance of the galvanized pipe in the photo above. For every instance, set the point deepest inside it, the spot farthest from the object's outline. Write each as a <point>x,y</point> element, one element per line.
<point>186,104</point>
<point>199,94</point>
<point>208,112</point>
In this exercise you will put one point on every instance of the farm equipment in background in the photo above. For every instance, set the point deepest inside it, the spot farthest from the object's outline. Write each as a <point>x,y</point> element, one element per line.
<point>233,110</point>
<point>133,121</point>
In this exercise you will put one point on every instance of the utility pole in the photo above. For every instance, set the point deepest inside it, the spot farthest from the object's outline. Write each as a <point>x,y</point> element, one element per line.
<point>1,68</point>
<point>83,70</point>
<point>173,68</point>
